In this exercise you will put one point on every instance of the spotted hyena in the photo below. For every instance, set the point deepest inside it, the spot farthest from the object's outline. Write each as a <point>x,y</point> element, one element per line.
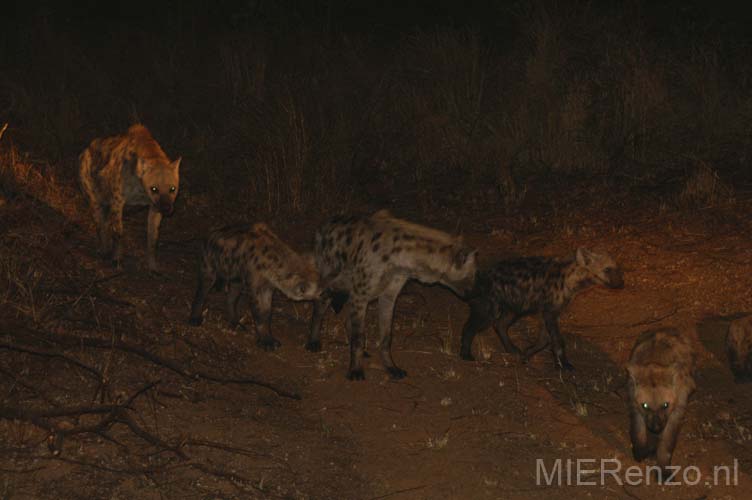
<point>739,349</point>
<point>660,369</point>
<point>256,260</point>
<point>128,169</point>
<point>541,286</point>
<point>370,258</point>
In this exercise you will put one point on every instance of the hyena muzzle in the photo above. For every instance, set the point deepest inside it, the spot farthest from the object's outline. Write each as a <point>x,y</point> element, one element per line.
<point>661,380</point>
<point>519,287</point>
<point>371,258</point>
<point>739,349</point>
<point>129,169</point>
<point>254,260</point>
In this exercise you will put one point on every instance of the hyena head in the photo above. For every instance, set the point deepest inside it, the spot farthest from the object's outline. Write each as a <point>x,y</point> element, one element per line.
<point>161,181</point>
<point>600,268</point>
<point>301,282</point>
<point>656,391</point>
<point>460,275</point>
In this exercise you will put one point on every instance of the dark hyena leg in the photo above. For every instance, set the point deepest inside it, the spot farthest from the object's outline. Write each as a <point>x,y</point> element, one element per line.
<point>638,432</point>
<point>152,234</point>
<point>234,289</point>
<point>115,223</point>
<point>481,317</point>
<point>501,326</point>
<point>386,315</point>
<point>317,321</point>
<point>261,307</point>
<point>667,439</point>
<point>356,319</point>
<point>551,320</point>
<point>541,342</point>
<point>206,280</point>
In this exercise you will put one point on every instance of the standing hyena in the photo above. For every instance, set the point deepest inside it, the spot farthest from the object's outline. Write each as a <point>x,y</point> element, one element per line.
<point>129,169</point>
<point>371,258</point>
<point>661,380</point>
<point>523,286</point>
<point>739,349</point>
<point>257,261</point>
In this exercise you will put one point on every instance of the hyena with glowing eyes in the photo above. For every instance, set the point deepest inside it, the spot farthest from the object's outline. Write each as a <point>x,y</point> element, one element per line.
<point>371,258</point>
<point>519,287</point>
<point>661,369</point>
<point>128,169</point>
<point>254,260</point>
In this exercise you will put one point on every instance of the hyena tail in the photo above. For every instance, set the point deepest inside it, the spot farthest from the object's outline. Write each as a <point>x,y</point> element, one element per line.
<point>339,299</point>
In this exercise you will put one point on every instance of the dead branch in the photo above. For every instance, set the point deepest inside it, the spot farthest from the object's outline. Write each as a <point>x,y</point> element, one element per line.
<point>52,354</point>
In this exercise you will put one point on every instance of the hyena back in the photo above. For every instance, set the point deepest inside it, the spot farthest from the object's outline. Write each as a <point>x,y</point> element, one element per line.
<point>256,260</point>
<point>542,286</point>
<point>739,349</point>
<point>660,368</point>
<point>128,169</point>
<point>371,258</point>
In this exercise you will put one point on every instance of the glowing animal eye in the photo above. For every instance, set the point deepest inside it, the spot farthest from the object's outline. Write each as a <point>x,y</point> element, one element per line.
<point>154,189</point>
<point>172,189</point>
<point>665,405</point>
<point>645,406</point>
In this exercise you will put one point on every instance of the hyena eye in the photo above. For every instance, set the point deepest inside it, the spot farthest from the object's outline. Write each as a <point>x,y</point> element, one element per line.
<point>172,189</point>
<point>154,189</point>
<point>665,405</point>
<point>645,406</point>
<point>302,288</point>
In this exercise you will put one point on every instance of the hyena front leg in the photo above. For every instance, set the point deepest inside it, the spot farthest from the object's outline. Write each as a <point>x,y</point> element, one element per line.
<point>234,289</point>
<point>115,226</point>
<point>317,322</point>
<point>481,317</point>
<point>261,308</point>
<point>152,235</point>
<point>551,319</point>
<point>386,316</point>
<point>501,326</point>
<point>206,280</point>
<point>356,319</point>
<point>667,440</point>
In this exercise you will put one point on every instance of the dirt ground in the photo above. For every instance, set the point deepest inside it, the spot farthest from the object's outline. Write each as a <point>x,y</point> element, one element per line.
<point>450,430</point>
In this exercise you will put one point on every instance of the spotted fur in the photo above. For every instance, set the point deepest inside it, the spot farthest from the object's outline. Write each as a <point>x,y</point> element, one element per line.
<point>371,258</point>
<point>739,349</point>
<point>540,286</point>
<point>128,169</point>
<point>255,260</point>
<point>661,380</point>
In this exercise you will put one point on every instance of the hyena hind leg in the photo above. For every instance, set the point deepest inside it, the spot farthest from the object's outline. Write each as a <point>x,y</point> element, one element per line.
<point>261,308</point>
<point>386,316</point>
<point>206,282</point>
<point>501,326</point>
<point>481,317</point>
<point>317,322</point>
<point>234,289</point>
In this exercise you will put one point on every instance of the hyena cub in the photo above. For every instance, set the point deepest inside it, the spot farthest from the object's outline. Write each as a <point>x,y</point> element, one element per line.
<point>257,261</point>
<point>739,349</point>
<point>660,369</point>
<point>128,169</point>
<point>542,286</point>
<point>370,258</point>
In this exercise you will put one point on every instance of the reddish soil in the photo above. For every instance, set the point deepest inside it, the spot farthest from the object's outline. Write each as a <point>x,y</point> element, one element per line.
<point>451,429</point>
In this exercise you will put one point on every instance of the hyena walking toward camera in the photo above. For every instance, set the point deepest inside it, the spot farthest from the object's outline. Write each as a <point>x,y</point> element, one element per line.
<point>257,261</point>
<point>660,370</point>
<point>128,169</point>
<point>542,286</point>
<point>739,349</point>
<point>371,258</point>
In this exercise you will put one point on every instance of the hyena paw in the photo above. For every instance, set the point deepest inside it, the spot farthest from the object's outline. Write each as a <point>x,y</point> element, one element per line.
<point>640,453</point>
<point>467,355</point>
<point>366,355</point>
<point>565,365</point>
<point>396,373</point>
<point>356,374</point>
<point>197,321</point>
<point>313,345</point>
<point>268,343</point>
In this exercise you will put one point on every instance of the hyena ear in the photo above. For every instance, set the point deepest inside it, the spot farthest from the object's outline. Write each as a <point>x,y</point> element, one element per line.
<point>176,164</point>
<point>584,256</point>
<point>463,256</point>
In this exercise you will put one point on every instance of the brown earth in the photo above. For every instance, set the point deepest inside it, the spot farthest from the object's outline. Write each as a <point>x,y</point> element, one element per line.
<point>451,429</point>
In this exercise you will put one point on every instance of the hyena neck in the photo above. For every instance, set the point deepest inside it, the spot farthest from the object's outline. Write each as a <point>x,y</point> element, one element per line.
<point>576,278</point>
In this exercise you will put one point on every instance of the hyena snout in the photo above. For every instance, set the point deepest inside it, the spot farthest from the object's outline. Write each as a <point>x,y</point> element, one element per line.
<point>655,422</point>
<point>166,205</point>
<point>614,277</point>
